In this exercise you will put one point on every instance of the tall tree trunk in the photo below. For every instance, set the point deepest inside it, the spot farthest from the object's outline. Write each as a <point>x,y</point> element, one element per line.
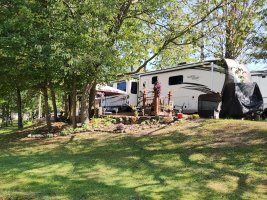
<point>47,112</point>
<point>228,43</point>
<point>10,117</point>
<point>73,104</point>
<point>53,95</point>
<point>92,99</point>
<point>4,115</point>
<point>40,107</point>
<point>230,15</point>
<point>7,114</point>
<point>69,106</point>
<point>20,123</point>
<point>66,106</point>
<point>84,103</point>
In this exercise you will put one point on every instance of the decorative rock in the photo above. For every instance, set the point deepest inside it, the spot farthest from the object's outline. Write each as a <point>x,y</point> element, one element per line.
<point>118,131</point>
<point>37,136</point>
<point>50,135</point>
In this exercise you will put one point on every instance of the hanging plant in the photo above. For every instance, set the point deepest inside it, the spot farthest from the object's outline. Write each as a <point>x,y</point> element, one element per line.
<point>157,88</point>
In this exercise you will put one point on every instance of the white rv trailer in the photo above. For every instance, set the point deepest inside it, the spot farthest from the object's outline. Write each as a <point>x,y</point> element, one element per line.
<point>260,77</point>
<point>121,102</point>
<point>186,82</point>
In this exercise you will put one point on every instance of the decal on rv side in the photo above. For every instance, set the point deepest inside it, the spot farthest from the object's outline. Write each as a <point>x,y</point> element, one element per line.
<point>193,77</point>
<point>198,87</point>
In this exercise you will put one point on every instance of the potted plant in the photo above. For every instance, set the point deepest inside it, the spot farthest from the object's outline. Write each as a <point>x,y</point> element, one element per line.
<point>168,110</point>
<point>135,111</point>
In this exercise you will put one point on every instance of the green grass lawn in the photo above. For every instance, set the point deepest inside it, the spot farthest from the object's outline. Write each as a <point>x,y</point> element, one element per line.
<point>9,129</point>
<point>14,127</point>
<point>214,159</point>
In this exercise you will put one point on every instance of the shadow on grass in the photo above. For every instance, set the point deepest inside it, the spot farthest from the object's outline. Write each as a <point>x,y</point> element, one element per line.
<point>176,166</point>
<point>14,134</point>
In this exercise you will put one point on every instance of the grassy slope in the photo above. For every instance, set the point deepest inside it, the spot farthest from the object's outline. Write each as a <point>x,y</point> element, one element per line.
<point>224,159</point>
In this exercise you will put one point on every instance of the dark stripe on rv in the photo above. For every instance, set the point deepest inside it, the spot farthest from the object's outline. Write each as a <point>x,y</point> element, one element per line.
<point>194,86</point>
<point>198,87</point>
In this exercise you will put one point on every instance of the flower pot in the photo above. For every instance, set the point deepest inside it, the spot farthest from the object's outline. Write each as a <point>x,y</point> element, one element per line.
<point>180,115</point>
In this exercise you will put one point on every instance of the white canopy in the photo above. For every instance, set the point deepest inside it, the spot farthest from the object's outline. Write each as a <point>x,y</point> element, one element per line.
<point>108,91</point>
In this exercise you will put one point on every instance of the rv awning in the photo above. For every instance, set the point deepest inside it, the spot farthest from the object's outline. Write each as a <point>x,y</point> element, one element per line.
<point>108,91</point>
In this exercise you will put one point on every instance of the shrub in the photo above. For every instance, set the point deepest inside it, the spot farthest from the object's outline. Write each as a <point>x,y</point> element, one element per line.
<point>78,130</point>
<point>154,121</point>
<point>134,108</point>
<point>27,122</point>
<point>143,123</point>
<point>120,127</point>
<point>67,131</point>
<point>127,120</point>
<point>195,116</point>
<point>119,120</point>
<point>107,121</point>
<point>86,127</point>
<point>134,120</point>
<point>136,114</point>
<point>112,120</point>
<point>157,118</point>
<point>95,122</point>
<point>167,120</point>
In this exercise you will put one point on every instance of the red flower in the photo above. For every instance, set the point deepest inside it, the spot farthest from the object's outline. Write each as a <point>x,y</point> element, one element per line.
<point>157,88</point>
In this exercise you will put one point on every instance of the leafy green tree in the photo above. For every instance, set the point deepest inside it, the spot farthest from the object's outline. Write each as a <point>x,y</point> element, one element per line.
<point>258,43</point>
<point>15,21</point>
<point>236,24</point>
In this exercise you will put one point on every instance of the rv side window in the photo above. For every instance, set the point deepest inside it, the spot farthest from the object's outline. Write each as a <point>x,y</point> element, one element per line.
<point>176,80</point>
<point>134,88</point>
<point>154,79</point>
<point>121,86</point>
<point>111,84</point>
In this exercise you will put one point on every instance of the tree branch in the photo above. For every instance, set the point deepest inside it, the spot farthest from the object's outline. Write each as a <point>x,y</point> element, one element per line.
<point>118,20</point>
<point>172,40</point>
<point>70,9</point>
<point>157,24</point>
